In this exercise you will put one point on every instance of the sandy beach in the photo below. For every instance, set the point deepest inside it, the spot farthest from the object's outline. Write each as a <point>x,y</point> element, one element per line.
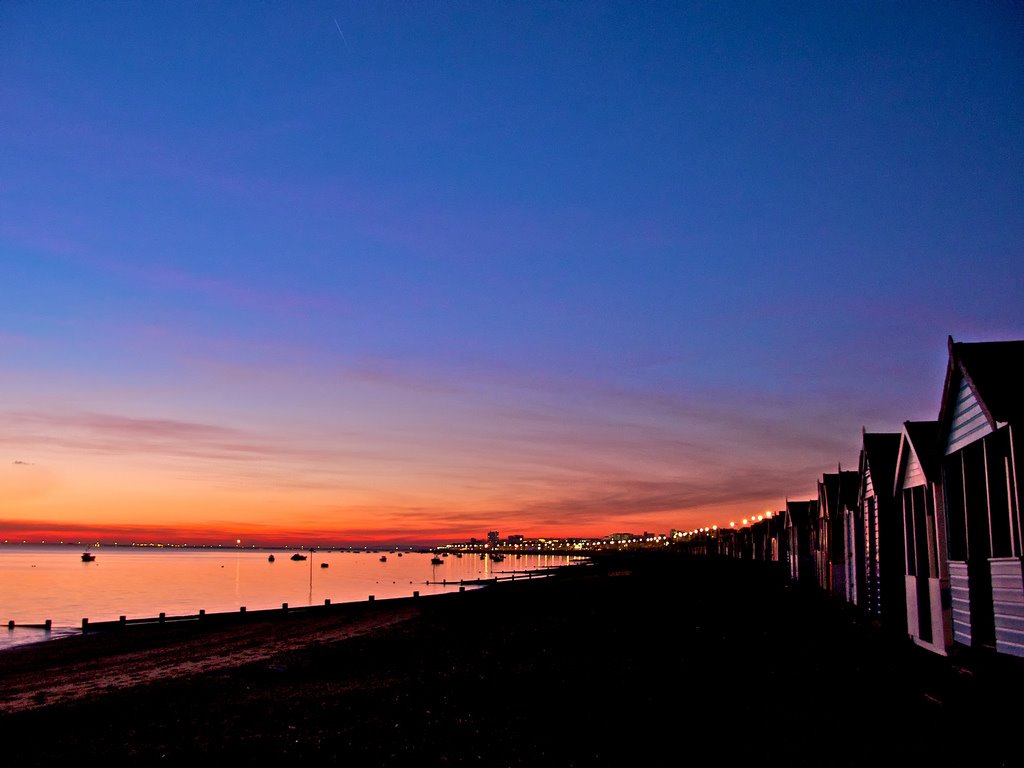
<point>636,661</point>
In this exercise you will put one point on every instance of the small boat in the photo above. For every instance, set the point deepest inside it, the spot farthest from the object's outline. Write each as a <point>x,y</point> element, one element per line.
<point>270,559</point>
<point>483,557</point>
<point>445,555</point>
<point>383,558</point>
<point>458,555</point>
<point>436,561</point>
<point>297,556</point>
<point>399,554</point>
<point>88,557</point>
<point>324,565</point>
<point>497,558</point>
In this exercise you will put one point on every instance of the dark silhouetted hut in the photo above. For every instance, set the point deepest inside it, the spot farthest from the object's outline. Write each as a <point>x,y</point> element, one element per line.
<point>979,430</point>
<point>855,550</point>
<point>835,492</point>
<point>885,587</point>
<point>777,538</point>
<point>801,517</point>
<point>727,543</point>
<point>760,534</point>
<point>919,496</point>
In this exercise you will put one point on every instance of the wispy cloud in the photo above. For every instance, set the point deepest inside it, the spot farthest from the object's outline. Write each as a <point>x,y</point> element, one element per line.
<point>106,433</point>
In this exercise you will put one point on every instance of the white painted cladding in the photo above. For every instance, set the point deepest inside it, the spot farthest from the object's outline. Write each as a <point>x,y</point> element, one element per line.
<point>959,587</point>
<point>1008,604</point>
<point>914,475</point>
<point>969,422</point>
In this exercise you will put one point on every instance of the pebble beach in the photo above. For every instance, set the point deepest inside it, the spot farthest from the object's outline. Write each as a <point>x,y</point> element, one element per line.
<point>638,660</point>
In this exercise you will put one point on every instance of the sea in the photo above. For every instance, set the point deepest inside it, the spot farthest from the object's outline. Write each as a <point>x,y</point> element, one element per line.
<point>52,582</point>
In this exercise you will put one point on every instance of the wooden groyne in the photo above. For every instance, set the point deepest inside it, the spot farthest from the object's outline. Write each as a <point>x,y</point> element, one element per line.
<point>244,614</point>
<point>505,576</point>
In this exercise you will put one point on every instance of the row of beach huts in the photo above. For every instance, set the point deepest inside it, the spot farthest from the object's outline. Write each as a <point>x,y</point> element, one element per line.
<point>925,534</point>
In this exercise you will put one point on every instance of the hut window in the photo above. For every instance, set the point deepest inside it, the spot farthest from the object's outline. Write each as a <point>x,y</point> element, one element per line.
<point>997,454</point>
<point>909,535</point>
<point>956,516</point>
<point>922,521</point>
<point>979,541</point>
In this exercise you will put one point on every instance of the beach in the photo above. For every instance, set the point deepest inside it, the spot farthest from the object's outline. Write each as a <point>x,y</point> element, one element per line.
<point>639,660</point>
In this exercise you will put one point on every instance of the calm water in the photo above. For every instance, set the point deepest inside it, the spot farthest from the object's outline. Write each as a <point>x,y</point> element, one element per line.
<point>39,583</point>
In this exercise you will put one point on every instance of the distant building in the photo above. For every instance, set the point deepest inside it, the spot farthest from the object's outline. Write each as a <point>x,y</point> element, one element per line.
<point>492,538</point>
<point>621,537</point>
<point>516,539</point>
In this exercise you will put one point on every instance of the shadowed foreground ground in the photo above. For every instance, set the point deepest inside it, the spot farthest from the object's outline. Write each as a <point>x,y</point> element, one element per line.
<point>649,661</point>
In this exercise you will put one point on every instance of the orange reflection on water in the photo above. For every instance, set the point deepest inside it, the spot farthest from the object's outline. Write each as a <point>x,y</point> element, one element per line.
<point>38,583</point>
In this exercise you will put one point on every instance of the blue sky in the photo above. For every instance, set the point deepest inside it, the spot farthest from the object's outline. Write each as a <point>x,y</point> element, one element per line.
<point>543,266</point>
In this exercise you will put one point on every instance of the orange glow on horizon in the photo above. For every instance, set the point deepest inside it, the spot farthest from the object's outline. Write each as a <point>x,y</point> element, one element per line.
<point>80,496</point>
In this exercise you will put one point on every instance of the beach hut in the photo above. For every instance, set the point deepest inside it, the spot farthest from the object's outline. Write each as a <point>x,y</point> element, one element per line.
<point>777,538</point>
<point>760,532</point>
<point>836,491</point>
<point>884,585</point>
<point>918,493</point>
<point>727,546</point>
<point>980,433</point>
<point>744,544</point>
<point>854,552</point>
<point>800,519</point>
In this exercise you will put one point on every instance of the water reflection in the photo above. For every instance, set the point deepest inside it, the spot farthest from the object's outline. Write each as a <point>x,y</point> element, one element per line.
<point>53,583</point>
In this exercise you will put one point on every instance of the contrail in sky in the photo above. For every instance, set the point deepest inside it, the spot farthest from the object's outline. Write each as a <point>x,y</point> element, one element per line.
<point>342,34</point>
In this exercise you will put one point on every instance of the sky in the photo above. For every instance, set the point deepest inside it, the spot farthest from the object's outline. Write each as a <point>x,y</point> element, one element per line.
<point>379,271</point>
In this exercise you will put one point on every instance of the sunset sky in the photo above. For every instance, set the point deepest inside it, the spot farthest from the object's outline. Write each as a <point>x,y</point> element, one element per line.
<point>380,271</point>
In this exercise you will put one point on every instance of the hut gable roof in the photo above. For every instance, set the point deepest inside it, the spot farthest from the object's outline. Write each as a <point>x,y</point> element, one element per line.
<point>879,456</point>
<point>849,484</point>
<point>987,366</point>
<point>920,438</point>
<point>828,494</point>
<point>837,491</point>
<point>800,513</point>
